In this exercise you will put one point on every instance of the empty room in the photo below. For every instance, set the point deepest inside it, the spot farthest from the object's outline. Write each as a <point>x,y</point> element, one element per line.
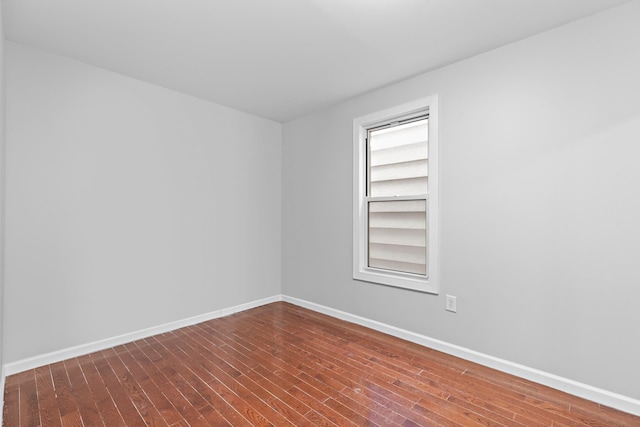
<point>320,213</point>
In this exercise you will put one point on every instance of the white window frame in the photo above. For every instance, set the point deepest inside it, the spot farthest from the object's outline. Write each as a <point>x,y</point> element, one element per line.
<point>361,270</point>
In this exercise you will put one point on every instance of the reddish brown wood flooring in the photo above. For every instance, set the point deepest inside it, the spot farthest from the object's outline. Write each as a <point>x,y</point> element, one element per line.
<point>283,365</point>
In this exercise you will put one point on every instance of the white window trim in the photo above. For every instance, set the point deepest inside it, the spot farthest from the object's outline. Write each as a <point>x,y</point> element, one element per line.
<point>361,271</point>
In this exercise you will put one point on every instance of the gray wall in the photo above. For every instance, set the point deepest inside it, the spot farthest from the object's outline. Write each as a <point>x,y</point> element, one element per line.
<point>540,202</point>
<point>2,185</point>
<point>128,205</point>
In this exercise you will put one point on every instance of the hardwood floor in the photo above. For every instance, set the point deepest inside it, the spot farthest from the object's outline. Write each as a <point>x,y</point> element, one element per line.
<point>283,365</point>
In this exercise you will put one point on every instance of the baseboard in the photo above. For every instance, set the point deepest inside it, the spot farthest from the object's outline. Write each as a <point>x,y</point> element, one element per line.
<point>81,350</point>
<point>575,388</point>
<point>594,394</point>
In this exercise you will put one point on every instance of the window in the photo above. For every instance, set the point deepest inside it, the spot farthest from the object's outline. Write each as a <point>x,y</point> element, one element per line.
<point>395,206</point>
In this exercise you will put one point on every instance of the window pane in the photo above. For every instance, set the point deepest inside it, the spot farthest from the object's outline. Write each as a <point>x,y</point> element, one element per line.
<point>397,236</point>
<point>398,160</point>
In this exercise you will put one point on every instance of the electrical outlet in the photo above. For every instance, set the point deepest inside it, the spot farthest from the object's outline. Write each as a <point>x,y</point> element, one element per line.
<point>450,304</point>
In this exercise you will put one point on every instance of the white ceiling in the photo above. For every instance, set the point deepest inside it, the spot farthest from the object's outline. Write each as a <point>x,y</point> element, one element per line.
<point>280,59</point>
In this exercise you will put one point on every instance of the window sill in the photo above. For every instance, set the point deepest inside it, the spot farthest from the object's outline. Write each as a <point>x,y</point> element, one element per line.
<point>397,280</point>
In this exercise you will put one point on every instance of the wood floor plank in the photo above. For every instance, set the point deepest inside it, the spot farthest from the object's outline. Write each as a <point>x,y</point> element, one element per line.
<point>80,390</point>
<point>118,392</point>
<point>99,392</point>
<point>150,389</point>
<point>71,419</point>
<point>250,378</point>
<point>49,412</point>
<point>228,375</point>
<point>283,365</point>
<point>66,403</point>
<point>147,410</point>
<point>164,378</point>
<point>29,407</point>
<point>11,410</point>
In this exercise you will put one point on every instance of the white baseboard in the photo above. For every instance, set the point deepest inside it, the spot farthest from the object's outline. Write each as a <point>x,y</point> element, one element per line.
<point>604,397</point>
<point>594,394</point>
<point>83,349</point>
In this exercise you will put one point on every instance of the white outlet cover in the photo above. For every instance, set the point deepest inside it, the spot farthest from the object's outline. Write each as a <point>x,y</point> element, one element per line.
<point>451,304</point>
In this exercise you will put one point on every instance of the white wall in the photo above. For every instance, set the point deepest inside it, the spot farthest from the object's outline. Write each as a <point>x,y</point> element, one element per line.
<point>129,206</point>
<point>540,207</point>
